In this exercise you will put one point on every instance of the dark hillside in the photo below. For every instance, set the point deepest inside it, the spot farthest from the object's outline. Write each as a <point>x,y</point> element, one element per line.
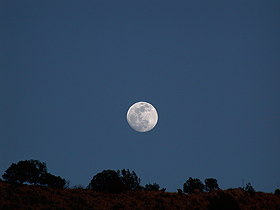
<point>38,197</point>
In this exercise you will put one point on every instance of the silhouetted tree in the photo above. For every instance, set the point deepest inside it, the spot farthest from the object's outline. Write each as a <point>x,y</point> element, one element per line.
<point>211,184</point>
<point>27,171</point>
<point>107,181</point>
<point>130,180</point>
<point>277,192</point>
<point>53,181</point>
<point>32,172</point>
<point>115,182</point>
<point>191,184</point>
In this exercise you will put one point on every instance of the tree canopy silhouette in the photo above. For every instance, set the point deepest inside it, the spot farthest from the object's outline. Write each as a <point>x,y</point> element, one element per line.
<point>114,181</point>
<point>27,171</point>
<point>191,184</point>
<point>32,172</point>
<point>130,180</point>
<point>53,181</point>
<point>106,181</point>
<point>211,184</point>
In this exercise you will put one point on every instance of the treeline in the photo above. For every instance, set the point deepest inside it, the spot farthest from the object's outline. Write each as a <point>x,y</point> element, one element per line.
<point>108,181</point>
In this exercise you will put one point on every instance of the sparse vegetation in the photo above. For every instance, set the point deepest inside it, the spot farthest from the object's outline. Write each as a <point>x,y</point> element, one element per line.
<point>37,197</point>
<point>38,189</point>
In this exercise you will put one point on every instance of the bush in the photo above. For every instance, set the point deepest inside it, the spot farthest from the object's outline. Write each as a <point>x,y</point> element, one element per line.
<point>152,187</point>
<point>249,189</point>
<point>277,192</point>
<point>223,201</point>
<point>211,184</point>
<point>180,192</point>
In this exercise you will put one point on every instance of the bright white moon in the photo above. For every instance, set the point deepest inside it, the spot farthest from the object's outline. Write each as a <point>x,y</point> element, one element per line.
<point>142,116</point>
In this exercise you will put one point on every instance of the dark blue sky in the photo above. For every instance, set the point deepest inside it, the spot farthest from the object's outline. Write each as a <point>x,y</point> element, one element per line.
<point>71,69</point>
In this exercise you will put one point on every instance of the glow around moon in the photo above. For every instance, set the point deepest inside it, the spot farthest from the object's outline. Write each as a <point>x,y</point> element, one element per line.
<point>142,116</point>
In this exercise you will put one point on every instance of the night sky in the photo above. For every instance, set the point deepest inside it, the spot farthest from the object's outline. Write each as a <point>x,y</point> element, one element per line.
<point>70,70</point>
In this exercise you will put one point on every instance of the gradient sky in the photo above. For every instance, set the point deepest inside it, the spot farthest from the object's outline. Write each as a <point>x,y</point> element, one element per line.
<point>71,69</point>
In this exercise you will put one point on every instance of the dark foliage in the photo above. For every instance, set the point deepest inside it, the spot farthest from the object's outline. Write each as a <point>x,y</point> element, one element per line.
<point>107,181</point>
<point>37,197</point>
<point>180,192</point>
<point>249,189</point>
<point>152,187</point>
<point>223,201</point>
<point>277,192</point>
<point>115,182</point>
<point>211,184</point>
<point>32,172</point>
<point>130,180</point>
<point>192,184</point>
<point>53,181</point>
<point>27,171</point>
<point>118,206</point>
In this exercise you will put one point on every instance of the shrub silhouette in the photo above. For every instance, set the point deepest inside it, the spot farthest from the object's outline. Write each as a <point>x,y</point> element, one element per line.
<point>211,184</point>
<point>223,201</point>
<point>249,189</point>
<point>32,172</point>
<point>152,187</point>
<point>180,192</point>
<point>191,184</point>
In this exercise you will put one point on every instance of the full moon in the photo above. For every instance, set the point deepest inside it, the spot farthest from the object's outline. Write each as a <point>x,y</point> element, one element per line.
<point>142,116</point>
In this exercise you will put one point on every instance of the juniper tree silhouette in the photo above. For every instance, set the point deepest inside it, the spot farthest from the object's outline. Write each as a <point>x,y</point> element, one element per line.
<point>106,181</point>
<point>191,184</point>
<point>27,171</point>
<point>211,184</point>
<point>115,181</point>
<point>130,180</point>
<point>32,172</point>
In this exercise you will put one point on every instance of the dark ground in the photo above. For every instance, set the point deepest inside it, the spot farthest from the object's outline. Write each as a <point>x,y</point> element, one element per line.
<point>36,197</point>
